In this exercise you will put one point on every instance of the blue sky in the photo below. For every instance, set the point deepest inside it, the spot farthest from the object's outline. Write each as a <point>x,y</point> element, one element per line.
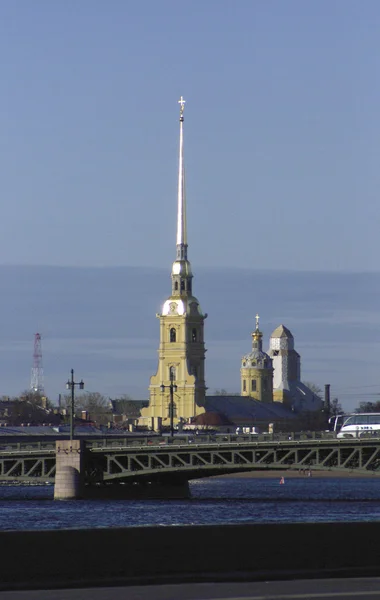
<point>281,139</point>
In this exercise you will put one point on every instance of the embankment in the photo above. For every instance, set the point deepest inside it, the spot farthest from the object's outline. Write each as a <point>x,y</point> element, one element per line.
<point>93,557</point>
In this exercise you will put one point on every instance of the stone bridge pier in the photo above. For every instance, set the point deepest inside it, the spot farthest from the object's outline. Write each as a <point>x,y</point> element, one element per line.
<point>69,475</point>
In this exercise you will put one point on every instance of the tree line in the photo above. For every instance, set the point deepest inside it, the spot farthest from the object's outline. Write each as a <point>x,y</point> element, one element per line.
<point>33,408</point>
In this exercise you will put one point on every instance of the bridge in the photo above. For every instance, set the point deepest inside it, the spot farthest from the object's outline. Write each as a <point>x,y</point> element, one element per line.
<point>156,459</point>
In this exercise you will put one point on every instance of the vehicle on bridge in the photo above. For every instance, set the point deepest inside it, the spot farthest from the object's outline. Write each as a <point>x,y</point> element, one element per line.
<point>360,425</point>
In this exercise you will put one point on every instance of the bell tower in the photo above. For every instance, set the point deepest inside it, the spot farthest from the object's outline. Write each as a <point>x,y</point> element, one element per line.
<point>256,373</point>
<point>181,352</point>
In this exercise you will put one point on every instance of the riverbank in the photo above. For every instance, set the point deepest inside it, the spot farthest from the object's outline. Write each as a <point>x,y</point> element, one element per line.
<point>208,553</point>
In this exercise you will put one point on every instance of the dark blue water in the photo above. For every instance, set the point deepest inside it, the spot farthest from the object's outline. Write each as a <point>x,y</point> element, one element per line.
<point>213,501</point>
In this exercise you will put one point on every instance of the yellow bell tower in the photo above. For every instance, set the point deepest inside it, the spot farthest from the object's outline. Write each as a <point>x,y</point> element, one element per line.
<point>181,353</point>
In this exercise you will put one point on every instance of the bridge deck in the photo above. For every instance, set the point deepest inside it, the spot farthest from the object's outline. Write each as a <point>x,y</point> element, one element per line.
<point>134,459</point>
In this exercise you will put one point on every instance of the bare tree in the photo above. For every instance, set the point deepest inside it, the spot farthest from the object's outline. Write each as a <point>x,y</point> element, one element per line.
<point>368,407</point>
<point>336,408</point>
<point>314,388</point>
<point>97,406</point>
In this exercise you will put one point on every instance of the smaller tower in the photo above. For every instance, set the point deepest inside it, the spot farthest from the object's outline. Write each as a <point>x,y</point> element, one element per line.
<point>287,364</point>
<point>37,376</point>
<point>287,384</point>
<point>256,371</point>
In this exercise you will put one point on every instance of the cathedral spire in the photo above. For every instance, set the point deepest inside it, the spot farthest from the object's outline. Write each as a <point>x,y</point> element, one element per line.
<point>181,216</point>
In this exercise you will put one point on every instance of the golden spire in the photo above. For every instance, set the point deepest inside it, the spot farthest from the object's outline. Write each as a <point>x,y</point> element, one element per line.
<point>181,216</point>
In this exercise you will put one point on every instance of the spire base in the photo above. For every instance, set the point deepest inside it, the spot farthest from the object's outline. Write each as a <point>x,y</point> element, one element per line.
<point>181,252</point>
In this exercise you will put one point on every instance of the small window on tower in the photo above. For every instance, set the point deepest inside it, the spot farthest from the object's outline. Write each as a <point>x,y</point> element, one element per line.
<point>194,335</point>
<point>172,374</point>
<point>173,334</point>
<point>176,286</point>
<point>182,286</point>
<point>244,385</point>
<point>253,385</point>
<point>189,285</point>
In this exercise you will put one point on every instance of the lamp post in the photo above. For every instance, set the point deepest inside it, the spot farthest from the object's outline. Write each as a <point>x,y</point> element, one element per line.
<point>172,388</point>
<point>70,385</point>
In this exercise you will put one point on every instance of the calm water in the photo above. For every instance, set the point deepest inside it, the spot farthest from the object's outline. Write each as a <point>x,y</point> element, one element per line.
<point>213,501</point>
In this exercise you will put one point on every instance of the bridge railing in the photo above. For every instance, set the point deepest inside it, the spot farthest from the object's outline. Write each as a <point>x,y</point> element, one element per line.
<point>205,438</point>
<point>6,446</point>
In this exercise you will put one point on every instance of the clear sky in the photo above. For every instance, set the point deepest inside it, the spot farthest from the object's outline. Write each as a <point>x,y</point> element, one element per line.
<point>281,132</point>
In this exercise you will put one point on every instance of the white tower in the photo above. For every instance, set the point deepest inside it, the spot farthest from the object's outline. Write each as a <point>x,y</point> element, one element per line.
<point>287,385</point>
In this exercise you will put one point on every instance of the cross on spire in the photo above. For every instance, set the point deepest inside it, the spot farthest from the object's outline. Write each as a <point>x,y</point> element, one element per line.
<point>257,322</point>
<point>181,102</point>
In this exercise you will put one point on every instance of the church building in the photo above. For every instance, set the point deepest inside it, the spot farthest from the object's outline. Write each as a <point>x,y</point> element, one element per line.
<point>181,353</point>
<point>271,390</point>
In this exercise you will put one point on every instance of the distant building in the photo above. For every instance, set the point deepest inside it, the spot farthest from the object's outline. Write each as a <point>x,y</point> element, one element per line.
<point>287,385</point>
<point>256,373</point>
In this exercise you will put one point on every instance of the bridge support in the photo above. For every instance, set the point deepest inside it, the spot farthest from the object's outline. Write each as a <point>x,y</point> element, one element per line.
<point>69,470</point>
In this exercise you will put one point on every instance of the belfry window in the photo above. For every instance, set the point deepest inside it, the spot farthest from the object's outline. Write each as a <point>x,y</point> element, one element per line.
<point>182,286</point>
<point>244,385</point>
<point>176,286</point>
<point>189,285</point>
<point>194,335</point>
<point>172,373</point>
<point>173,334</point>
<point>253,385</point>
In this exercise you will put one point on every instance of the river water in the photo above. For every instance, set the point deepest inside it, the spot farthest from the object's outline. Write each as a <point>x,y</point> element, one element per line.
<point>213,501</point>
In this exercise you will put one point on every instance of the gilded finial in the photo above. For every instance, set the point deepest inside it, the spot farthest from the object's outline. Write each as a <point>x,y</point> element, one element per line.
<point>257,322</point>
<point>181,102</point>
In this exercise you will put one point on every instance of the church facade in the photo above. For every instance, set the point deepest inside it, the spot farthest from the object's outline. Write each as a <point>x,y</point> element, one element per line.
<point>181,353</point>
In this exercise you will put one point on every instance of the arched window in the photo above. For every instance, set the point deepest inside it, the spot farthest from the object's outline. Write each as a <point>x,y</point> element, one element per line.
<point>182,286</point>
<point>244,385</point>
<point>194,335</point>
<point>253,385</point>
<point>189,285</point>
<point>176,286</point>
<point>173,334</point>
<point>172,373</point>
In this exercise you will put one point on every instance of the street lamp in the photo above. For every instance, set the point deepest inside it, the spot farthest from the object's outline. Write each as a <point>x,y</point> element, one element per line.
<point>70,385</point>
<point>172,388</point>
